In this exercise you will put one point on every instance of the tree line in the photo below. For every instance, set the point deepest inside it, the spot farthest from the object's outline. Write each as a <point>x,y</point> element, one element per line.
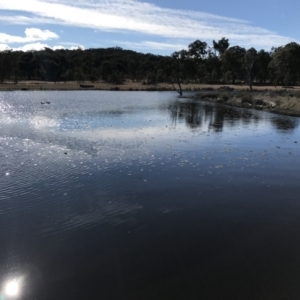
<point>199,63</point>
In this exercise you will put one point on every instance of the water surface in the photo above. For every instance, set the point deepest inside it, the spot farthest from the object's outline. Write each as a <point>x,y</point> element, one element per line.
<point>143,195</point>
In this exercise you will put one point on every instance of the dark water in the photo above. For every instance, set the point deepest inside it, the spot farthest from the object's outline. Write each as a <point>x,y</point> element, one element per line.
<point>112,195</point>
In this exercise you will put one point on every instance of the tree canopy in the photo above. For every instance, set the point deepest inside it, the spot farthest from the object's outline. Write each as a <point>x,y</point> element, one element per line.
<point>199,63</point>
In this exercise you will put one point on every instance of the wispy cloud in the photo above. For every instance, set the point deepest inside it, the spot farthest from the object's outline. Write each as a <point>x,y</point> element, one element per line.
<point>31,35</point>
<point>141,17</point>
<point>24,20</point>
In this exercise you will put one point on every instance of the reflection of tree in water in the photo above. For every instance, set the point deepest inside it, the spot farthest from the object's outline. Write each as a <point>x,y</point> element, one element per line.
<point>285,124</point>
<point>191,112</point>
<point>197,114</point>
<point>217,122</point>
<point>235,116</point>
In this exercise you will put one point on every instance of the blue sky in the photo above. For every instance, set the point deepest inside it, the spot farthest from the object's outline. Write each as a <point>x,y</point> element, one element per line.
<point>159,27</point>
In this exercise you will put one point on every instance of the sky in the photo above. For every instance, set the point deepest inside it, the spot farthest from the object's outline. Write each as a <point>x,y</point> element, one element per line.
<point>158,27</point>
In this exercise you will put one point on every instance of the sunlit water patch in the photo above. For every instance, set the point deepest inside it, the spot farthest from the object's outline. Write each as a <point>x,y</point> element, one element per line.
<point>135,195</point>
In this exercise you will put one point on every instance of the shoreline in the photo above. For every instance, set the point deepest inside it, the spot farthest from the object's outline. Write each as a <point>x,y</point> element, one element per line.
<point>284,102</point>
<point>126,86</point>
<point>280,100</point>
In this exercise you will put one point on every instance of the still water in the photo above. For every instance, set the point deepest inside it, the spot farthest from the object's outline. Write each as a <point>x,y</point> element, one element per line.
<point>142,195</point>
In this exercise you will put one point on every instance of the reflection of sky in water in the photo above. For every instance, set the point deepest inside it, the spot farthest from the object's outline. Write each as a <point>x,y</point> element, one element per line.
<point>40,122</point>
<point>103,120</point>
<point>94,179</point>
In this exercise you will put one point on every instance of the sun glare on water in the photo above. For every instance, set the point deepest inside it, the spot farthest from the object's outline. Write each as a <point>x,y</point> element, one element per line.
<point>12,288</point>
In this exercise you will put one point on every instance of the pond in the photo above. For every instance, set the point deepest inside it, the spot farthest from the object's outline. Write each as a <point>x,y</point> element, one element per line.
<point>144,195</point>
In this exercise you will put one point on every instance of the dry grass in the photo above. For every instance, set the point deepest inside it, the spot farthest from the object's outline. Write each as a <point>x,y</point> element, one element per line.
<point>278,101</point>
<point>128,85</point>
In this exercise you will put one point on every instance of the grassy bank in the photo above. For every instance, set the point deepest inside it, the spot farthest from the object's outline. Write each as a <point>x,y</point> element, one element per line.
<point>127,86</point>
<point>284,101</point>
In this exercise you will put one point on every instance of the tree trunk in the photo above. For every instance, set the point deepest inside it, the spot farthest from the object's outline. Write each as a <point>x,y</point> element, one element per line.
<point>179,90</point>
<point>249,79</point>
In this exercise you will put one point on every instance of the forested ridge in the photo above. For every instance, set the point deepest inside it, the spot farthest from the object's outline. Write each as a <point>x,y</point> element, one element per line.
<point>199,63</point>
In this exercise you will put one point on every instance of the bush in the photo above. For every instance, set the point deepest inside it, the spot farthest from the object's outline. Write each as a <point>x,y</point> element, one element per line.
<point>211,95</point>
<point>225,97</point>
<point>246,98</point>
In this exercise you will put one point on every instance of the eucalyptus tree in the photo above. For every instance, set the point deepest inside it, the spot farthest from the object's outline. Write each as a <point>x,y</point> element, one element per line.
<point>212,66</point>
<point>28,64</point>
<point>233,63</point>
<point>261,66</point>
<point>133,66</point>
<point>285,64</point>
<point>197,51</point>
<point>249,59</point>
<point>221,46</point>
<point>179,69</point>
<point>5,64</point>
<point>52,63</point>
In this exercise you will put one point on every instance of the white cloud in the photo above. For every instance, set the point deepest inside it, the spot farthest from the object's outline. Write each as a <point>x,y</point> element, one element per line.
<point>58,47</point>
<point>31,35</point>
<point>76,47</point>
<point>144,18</point>
<point>32,47</point>
<point>4,47</point>
<point>152,45</point>
<point>38,34</point>
<point>37,47</point>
